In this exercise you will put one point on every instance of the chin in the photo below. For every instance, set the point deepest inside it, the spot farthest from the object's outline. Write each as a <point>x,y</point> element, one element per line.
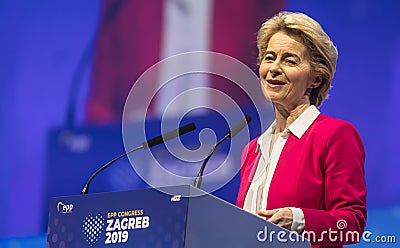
<point>273,97</point>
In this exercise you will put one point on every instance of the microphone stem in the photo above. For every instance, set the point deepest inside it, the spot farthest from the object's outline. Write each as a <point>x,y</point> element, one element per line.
<point>198,180</point>
<point>85,188</point>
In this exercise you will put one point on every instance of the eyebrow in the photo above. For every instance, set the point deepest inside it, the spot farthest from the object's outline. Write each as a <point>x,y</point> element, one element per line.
<point>284,55</point>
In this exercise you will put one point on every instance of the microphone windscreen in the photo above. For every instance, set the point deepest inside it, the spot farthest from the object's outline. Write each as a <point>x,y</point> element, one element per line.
<point>240,125</point>
<point>170,135</point>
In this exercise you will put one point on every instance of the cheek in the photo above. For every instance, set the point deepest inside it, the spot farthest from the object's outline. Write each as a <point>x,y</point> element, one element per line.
<point>301,79</point>
<point>304,82</point>
<point>263,70</point>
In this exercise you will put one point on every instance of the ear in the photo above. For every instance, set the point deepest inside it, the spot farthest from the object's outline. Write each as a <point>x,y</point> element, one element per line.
<point>317,81</point>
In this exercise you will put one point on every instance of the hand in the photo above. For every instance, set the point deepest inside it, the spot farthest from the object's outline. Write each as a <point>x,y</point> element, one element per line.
<point>282,217</point>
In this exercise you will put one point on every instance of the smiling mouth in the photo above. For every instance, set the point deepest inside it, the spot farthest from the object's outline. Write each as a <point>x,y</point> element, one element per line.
<point>275,82</point>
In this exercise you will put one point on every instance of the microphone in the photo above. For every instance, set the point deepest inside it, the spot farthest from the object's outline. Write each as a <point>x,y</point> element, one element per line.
<point>170,135</point>
<point>145,145</point>
<point>232,133</point>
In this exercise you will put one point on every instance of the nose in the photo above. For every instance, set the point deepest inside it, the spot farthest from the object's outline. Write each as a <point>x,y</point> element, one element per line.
<point>275,69</point>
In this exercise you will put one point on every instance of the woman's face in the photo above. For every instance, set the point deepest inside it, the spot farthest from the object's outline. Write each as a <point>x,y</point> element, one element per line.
<point>285,71</point>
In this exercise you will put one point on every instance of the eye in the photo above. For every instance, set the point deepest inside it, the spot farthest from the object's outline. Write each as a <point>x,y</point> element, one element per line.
<point>290,61</point>
<point>269,57</point>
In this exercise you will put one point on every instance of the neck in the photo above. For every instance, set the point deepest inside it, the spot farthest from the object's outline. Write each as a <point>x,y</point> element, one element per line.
<point>286,116</point>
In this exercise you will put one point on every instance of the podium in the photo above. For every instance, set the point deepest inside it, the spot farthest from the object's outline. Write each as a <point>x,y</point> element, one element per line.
<point>177,216</point>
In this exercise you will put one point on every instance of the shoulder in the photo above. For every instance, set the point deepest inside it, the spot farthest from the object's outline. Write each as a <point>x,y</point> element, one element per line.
<point>328,134</point>
<point>252,145</point>
<point>336,134</point>
<point>330,126</point>
<point>249,151</point>
<point>327,122</point>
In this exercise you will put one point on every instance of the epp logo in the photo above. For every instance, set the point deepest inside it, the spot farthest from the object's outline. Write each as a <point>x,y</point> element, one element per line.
<point>64,208</point>
<point>176,198</point>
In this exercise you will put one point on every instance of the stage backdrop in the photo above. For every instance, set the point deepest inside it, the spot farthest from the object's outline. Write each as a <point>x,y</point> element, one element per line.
<point>42,43</point>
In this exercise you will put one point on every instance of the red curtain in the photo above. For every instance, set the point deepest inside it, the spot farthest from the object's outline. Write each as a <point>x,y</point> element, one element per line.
<point>129,39</point>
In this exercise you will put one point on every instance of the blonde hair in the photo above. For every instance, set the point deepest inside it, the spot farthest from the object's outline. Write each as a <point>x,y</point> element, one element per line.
<point>321,50</point>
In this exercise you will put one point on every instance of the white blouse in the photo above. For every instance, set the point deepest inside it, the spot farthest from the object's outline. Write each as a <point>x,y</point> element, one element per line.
<point>257,195</point>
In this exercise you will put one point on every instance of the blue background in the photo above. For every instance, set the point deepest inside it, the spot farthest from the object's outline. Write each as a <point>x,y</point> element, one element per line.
<point>42,41</point>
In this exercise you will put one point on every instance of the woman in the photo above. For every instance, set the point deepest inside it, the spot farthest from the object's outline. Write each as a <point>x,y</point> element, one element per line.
<point>306,172</point>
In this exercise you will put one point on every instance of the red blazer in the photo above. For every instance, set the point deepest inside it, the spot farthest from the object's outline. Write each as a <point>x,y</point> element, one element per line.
<point>323,174</point>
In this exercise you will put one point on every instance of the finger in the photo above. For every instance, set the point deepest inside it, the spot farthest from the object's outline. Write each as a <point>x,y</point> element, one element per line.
<point>275,218</point>
<point>267,213</point>
<point>282,218</point>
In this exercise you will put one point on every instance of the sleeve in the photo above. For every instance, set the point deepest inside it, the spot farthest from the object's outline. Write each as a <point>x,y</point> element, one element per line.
<point>298,220</point>
<point>248,157</point>
<point>344,217</point>
<point>240,196</point>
